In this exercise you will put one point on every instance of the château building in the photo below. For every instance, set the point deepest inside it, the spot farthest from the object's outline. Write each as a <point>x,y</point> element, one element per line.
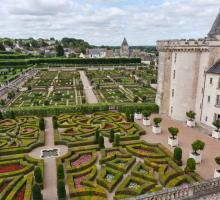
<point>189,77</point>
<point>124,50</point>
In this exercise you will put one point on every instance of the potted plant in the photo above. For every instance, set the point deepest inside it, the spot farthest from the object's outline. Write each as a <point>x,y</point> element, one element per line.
<point>146,119</point>
<point>157,128</point>
<point>217,171</point>
<point>138,114</point>
<point>191,119</point>
<point>173,140</point>
<point>197,145</point>
<point>216,133</point>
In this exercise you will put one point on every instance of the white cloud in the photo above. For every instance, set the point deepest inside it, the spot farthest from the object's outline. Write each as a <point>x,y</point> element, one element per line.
<point>108,21</point>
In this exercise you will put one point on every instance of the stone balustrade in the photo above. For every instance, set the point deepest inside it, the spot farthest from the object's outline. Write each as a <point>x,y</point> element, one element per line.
<point>184,192</point>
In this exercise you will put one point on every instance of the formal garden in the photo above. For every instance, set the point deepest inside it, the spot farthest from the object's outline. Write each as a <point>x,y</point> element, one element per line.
<point>117,86</point>
<point>51,88</point>
<point>107,158</point>
<point>19,173</point>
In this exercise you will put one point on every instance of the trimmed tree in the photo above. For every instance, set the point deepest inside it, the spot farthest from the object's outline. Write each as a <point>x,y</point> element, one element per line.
<point>177,155</point>
<point>112,133</point>
<point>55,123</point>
<point>197,145</point>
<point>101,142</point>
<point>190,165</point>
<point>157,121</point>
<point>41,124</point>
<point>116,140</point>
<point>36,192</point>
<point>191,115</point>
<point>38,175</point>
<point>173,132</point>
<point>60,172</point>
<point>61,190</point>
<point>216,123</point>
<point>97,134</point>
<point>146,114</point>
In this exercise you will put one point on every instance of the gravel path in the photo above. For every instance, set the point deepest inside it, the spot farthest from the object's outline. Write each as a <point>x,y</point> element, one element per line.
<point>90,96</point>
<point>50,175</point>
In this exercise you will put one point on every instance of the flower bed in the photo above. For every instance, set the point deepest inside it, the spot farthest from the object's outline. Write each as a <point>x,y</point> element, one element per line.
<point>20,194</point>
<point>81,160</point>
<point>10,168</point>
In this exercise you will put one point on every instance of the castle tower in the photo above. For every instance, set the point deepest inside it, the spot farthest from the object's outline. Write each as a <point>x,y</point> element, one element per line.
<point>182,73</point>
<point>124,50</point>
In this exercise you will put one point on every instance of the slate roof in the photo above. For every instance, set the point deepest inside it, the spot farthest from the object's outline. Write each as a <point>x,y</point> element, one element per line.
<point>215,69</point>
<point>124,43</point>
<point>215,30</point>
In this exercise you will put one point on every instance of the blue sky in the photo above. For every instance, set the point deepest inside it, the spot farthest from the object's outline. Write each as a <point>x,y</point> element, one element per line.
<point>106,22</point>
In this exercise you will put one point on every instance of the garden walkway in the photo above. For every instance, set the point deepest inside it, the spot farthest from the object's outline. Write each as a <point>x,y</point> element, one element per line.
<point>50,175</point>
<point>90,96</point>
<point>186,136</point>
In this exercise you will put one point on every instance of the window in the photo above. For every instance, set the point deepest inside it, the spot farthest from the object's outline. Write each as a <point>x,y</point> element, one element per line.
<point>174,74</point>
<point>210,80</point>
<point>216,117</point>
<point>217,100</point>
<point>171,109</point>
<point>206,118</point>
<point>172,92</point>
<point>175,57</point>
<point>209,99</point>
<point>218,83</point>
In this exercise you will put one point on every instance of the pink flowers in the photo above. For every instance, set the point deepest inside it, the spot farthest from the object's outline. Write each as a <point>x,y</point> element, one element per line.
<point>81,160</point>
<point>78,180</point>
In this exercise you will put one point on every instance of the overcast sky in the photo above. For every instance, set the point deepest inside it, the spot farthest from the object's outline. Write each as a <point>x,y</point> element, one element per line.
<point>106,22</point>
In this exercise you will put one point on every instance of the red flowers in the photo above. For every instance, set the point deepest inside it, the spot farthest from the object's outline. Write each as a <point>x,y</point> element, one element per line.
<point>81,160</point>
<point>20,194</point>
<point>10,168</point>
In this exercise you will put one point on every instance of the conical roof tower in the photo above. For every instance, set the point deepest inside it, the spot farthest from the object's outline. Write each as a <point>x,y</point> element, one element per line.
<point>215,30</point>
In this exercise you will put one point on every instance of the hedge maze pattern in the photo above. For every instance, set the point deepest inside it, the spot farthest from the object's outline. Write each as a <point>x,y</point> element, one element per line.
<point>18,136</point>
<point>130,169</point>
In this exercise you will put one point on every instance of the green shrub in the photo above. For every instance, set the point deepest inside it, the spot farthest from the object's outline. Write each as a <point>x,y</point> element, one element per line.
<point>112,133</point>
<point>191,115</point>
<point>60,172</point>
<point>173,131</point>
<point>55,123</point>
<point>36,192</point>
<point>101,142</point>
<point>61,191</point>
<point>190,165</point>
<point>217,124</point>
<point>41,124</point>
<point>97,134</point>
<point>197,145</point>
<point>116,140</point>
<point>157,121</point>
<point>177,155</point>
<point>38,175</point>
<point>146,113</point>
<point>217,160</point>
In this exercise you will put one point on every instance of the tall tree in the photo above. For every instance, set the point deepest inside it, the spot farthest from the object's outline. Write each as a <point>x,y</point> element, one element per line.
<point>60,50</point>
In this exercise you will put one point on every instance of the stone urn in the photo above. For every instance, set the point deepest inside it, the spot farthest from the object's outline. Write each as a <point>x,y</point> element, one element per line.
<point>217,173</point>
<point>146,121</point>
<point>173,142</point>
<point>196,157</point>
<point>138,116</point>
<point>156,130</point>
<point>191,123</point>
<point>216,134</point>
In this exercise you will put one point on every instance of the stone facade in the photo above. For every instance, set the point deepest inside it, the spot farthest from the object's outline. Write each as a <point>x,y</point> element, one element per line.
<point>182,76</point>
